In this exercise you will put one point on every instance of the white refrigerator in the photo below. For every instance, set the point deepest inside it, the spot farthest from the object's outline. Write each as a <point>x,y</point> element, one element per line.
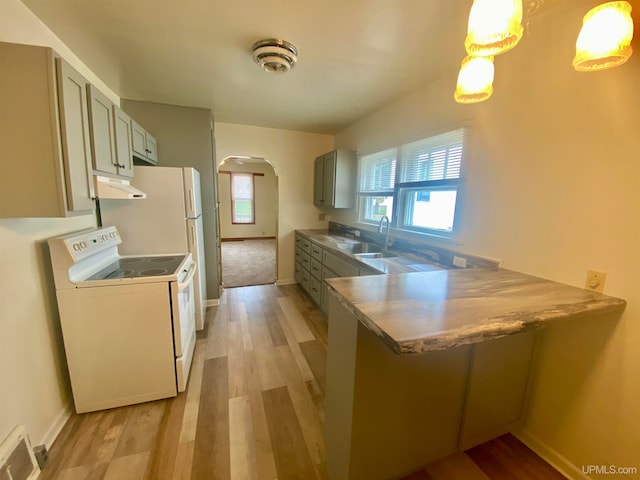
<point>169,220</point>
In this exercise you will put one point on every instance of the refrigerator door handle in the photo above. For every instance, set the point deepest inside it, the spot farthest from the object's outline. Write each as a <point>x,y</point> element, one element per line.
<point>192,236</point>
<point>191,209</point>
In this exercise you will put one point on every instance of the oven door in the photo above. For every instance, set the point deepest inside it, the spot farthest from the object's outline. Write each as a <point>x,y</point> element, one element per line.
<point>184,324</point>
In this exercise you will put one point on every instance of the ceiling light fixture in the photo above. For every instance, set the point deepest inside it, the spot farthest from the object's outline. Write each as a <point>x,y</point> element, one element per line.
<point>495,26</point>
<point>605,38</point>
<point>274,55</point>
<point>475,80</point>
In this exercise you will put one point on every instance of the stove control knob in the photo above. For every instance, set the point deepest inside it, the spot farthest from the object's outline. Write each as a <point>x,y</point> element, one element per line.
<point>78,247</point>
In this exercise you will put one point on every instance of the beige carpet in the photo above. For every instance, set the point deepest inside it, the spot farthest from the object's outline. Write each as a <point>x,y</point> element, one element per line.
<point>248,262</point>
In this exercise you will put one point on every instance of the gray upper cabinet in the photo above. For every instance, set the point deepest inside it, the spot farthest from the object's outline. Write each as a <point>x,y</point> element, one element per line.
<point>334,179</point>
<point>102,126</point>
<point>145,147</point>
<point>123,141</point>
<point>44,133</point>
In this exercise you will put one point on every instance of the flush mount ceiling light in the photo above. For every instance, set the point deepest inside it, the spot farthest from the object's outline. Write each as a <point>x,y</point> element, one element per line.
<point>495,26</point>
<point>605,38</point>
<point>274,55</point>
<point>475,80</point>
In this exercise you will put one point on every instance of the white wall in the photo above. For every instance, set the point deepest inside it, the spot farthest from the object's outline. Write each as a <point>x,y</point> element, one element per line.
<point>291,154</point>
<point>552,190</point>
<point>33,378</point>
<point>265,201</point>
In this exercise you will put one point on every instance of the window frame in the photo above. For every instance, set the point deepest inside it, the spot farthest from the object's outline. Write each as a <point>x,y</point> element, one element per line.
<point>402,190</point>
<point>233,201</point>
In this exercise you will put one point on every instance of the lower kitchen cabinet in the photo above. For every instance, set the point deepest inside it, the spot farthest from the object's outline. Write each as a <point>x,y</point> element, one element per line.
<point>313,264</point>
<point>44,133</point>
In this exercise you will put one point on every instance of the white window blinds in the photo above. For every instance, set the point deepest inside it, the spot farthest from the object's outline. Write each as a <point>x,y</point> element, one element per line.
<point>435,158</point>
<point>378,171</point>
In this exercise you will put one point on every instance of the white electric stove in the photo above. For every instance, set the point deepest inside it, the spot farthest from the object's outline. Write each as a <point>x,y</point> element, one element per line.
<point>128,322</point>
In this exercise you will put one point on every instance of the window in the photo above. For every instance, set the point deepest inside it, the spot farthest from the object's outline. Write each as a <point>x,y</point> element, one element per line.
<point>242,199</point>
<point>419,180</point>
<point>377,180</point>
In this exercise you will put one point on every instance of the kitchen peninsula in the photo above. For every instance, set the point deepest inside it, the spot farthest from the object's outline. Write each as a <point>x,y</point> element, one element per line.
<point>421,365</point>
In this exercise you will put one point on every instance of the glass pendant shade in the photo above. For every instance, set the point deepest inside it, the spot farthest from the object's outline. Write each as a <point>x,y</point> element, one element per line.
<point>605,38</point>
<point>495,26</point>
<point>475,80</point>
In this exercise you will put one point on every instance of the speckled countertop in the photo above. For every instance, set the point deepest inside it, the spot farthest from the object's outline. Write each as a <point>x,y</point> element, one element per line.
<point>428,311</point>
<point>402,263</point>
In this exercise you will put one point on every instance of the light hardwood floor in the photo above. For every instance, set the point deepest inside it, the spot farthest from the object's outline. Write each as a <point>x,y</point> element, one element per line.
<point>252,410</point>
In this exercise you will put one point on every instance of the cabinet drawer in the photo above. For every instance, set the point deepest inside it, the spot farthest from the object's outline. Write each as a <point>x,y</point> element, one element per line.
<point>298,272</point>
<point>316,268</point>
<point>303,243</point>
<point>316,251</point>
<point>315,290</point>
<point>305,279</point>
<point>306,261</point>
<point>299,254</point>
<point>339,266</point>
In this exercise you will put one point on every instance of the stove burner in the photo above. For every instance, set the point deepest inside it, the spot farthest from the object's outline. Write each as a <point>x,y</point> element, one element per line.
<point>162,259</point>
<point>120,273</point>
<point>131,260</point>
<point>154,272</point>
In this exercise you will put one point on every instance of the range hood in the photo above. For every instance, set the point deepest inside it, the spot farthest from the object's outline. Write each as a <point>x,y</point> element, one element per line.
<point>108,187</point>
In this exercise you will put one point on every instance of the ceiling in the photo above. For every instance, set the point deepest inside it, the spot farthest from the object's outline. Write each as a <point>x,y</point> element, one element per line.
<point>354,56</point>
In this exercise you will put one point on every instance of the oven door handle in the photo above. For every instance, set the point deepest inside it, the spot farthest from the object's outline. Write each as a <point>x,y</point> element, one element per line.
<point>187,280</point>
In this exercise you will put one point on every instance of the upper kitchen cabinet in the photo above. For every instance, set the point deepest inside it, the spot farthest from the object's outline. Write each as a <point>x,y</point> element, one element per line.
<point>145,147</point>
<point>123,141</point>
<point>44,133</point>
<point>334,179</point>
<point>101,125</point>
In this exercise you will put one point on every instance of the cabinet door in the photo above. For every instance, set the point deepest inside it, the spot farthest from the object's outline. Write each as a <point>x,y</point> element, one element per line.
<point>102,137</point>
<point>122,131</point>
<point>152,148</point>
<point>329,183</point>
<point>318,181</point>
<point>138,138</point>
<point>74,125</point>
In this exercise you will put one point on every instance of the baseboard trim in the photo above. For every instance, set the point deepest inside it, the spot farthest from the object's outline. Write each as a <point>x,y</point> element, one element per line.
<point>286,281</point>
<point>212,302</point>
<point>241,239</point>
<point>57,426</point>
<point>552,457</point>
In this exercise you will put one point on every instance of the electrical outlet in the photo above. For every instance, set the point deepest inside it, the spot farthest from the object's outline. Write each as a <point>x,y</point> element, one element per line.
<point>459,261</point>
<point>322,216</point>
<point>595,281</point>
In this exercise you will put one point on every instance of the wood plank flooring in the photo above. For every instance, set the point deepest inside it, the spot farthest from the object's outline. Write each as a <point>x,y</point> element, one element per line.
<point>253,409</point>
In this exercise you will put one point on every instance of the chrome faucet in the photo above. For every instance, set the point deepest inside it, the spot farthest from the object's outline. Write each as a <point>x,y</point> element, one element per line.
<point>386,238</point>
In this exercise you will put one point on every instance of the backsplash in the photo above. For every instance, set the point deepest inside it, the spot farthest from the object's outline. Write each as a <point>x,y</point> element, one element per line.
<point>438,255</point>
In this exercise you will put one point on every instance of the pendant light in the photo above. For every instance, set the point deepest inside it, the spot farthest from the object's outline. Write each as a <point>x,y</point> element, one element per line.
<point>475,80</point>
<point>605,38</point>
<point>495,26</point>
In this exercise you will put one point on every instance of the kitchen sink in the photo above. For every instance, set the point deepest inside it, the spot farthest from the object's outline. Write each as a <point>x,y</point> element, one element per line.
<point>365,250</point>
<point>357,248</point>
<point>375,255</point>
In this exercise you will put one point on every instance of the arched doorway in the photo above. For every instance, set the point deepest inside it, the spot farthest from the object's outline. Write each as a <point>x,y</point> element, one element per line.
<point>248,221</point>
